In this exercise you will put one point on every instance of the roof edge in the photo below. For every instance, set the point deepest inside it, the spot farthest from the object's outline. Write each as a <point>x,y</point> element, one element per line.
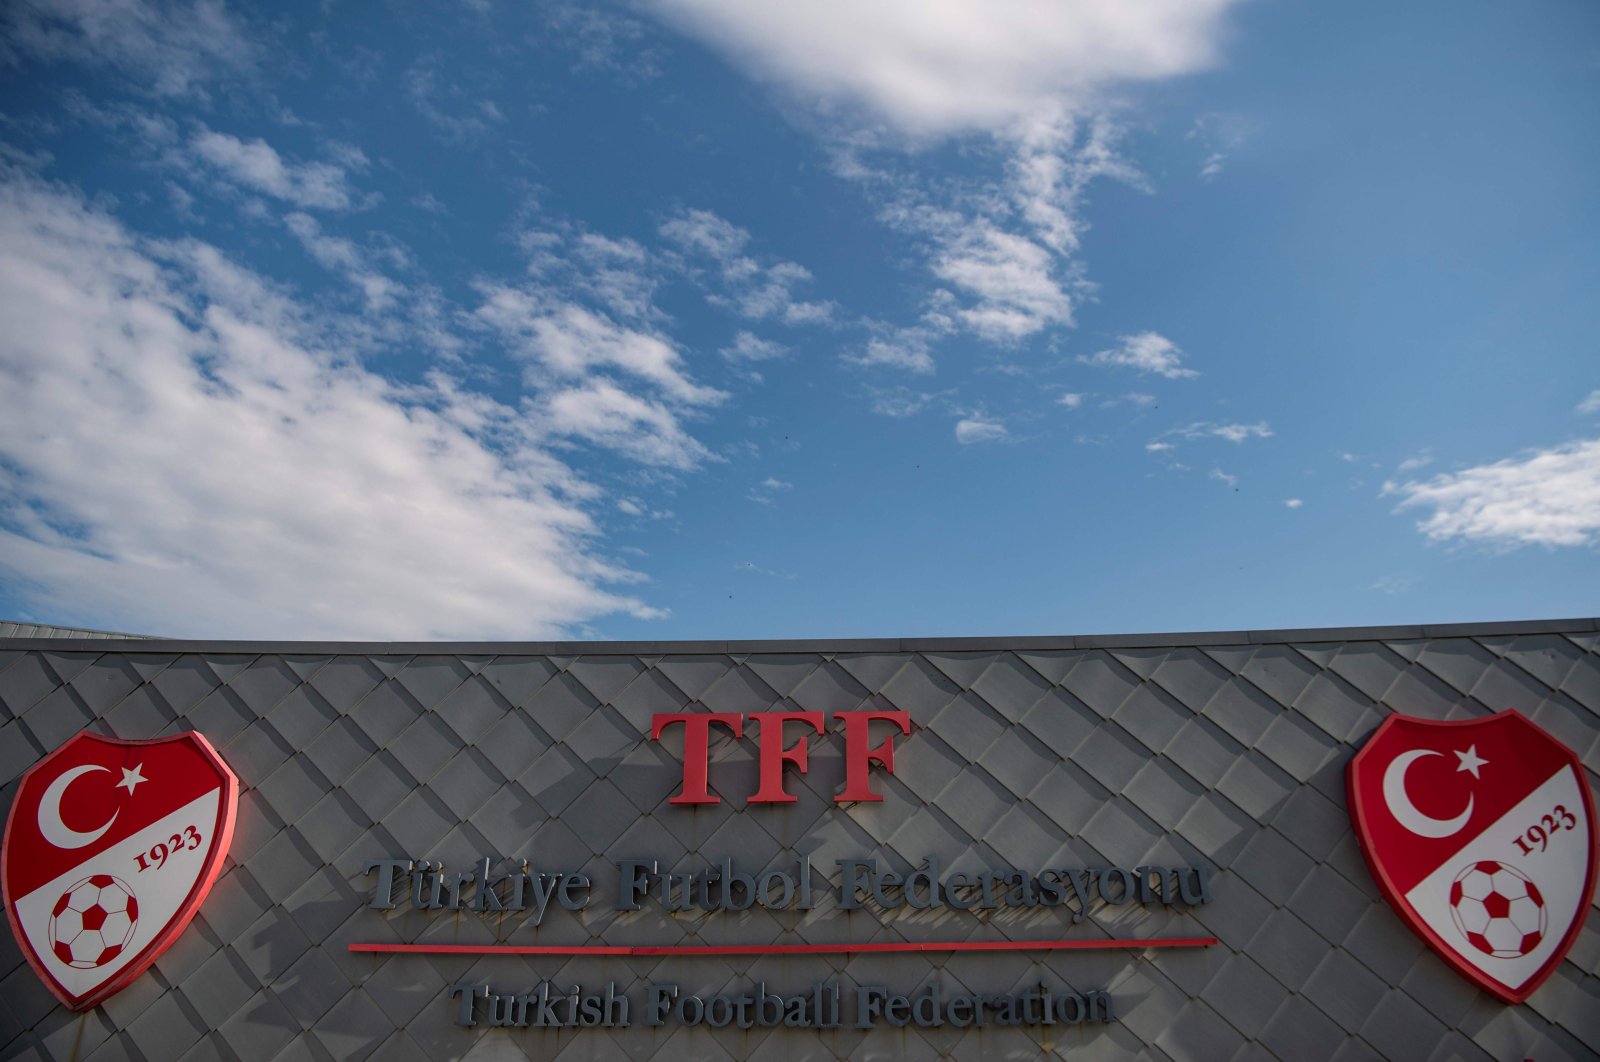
<point>814,645</point>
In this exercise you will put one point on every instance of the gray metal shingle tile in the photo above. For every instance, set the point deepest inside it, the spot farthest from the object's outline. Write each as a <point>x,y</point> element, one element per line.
<point>922,690</point>
<point>418,822</point>
<point>378,785</point>
<point>255,752</point>
<point>1152,716</point>
<point>1111,756</point>
<point>220,987</point>
<point>339,750</point>
<point>345,680</point>
<point>301,715</point>
<point>293,788</point>
<point>1100,682</point>
<point>261,684</point>
<point>57,717</point>
<point>560,705</point>
<point>1191,677</point>
<point>1400,1028</point>
<point>25,682</point>
<point>333,824</point>
<point>167,1028</point>
<point>1279,672</point>
<point>465,782</point>
<point>1256,785</point>
<point>105,682</point>
<point>471,708</point>
<point>1301,1032</point>
<point>1337,707</point>
<point>283,863</point>
<point>1245,994</point>
<point>424,746</point>
<point>1061,721</point>
<point>184,682</point>
<point>1345,989</point>
<point>1017,761</point>
<point>310,987</point>
<point>1314,823</point>
<point>259,1029</point>
<point>385,712</point>
<point>694,674</point>
<point>1010,686</point>
<point>1298,747</point>
<point>555,779</point>
<point>1272,865</point>
<point>1242,710</point>
<point>1199,1032</point>
<point>431,678</point>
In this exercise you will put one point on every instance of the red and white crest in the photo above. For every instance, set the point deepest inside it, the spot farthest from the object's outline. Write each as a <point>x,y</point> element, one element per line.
<point>1481,836</point>
<point>109,849</point>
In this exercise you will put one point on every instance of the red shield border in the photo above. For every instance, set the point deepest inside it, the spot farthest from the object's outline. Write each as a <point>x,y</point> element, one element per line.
<point>1361,817</point>
<point>211,867</point>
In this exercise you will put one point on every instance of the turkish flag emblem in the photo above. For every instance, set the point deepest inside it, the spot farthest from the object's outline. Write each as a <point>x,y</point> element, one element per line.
<point>1481,836</point>
<point>109,849</point>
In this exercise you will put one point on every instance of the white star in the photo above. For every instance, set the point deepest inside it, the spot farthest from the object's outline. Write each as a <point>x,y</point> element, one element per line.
<point>1470,760</point>
<point>132,778</point>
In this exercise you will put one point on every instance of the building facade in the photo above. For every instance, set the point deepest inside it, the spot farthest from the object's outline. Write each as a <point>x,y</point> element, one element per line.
<point>1092,847</point>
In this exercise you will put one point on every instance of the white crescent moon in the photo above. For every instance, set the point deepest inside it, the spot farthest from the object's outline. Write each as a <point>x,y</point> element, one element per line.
<point>1404,811</point>
<point>57,832</point>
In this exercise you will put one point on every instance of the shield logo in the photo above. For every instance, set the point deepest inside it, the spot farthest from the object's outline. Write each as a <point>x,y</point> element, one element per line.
<point>109,849</point>
<point>1481,835</point>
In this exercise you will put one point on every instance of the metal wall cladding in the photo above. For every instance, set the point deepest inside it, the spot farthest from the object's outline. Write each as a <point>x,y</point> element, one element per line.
<point>1221,750</point>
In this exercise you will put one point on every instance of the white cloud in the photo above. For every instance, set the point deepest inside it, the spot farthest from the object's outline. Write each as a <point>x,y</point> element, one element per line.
<point>747,346</point>
<point>571,342</point>
<point>1223,477</point>
<point>900,402</point>
<point>341,256</point>
<point>1548,498</point>
<point>1148,352</point>
<point>1411,464</point>
<point>1219,135</point>
<point>705,232</point>
<point>1590,404</point>
<point>1293,503</point>
<point>1011,278</point>
<point>602,413</point>
<point>1397,583</point>
<point>932,67</point>
<point>1158,447</point>
<point>907,350</point>
<point>169,49</point>
<point>980,429</point>
<point>763,492</point>
<point>182,453</point>
<point>257,166</point>
<point>449,107</point>
<point>1237,433</point>
<point>1204,429</point>
<point>746,286</point>
<point>1072,400</point>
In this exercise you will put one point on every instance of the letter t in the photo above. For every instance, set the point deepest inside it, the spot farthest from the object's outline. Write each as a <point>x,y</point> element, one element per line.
<point>696,754</point>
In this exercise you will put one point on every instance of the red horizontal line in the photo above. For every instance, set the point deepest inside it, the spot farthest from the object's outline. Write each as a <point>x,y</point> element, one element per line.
<point>781,949</point>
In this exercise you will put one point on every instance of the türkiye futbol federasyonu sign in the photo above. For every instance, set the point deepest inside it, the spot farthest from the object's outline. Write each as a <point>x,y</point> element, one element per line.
<point>1480,834</point>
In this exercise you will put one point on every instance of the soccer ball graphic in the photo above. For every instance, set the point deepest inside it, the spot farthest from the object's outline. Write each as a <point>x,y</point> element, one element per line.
<point>1497,909</point>
<point>93,921</point>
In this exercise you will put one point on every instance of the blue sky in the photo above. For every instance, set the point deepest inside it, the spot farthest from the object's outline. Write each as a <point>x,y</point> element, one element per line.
<point>704,319</point>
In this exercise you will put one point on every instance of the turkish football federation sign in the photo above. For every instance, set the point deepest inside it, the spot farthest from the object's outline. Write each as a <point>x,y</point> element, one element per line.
<point>1481,835</point>
<point>109,849</point>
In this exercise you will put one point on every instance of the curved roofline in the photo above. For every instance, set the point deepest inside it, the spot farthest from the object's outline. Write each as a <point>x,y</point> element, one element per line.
<point>815,645</point>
